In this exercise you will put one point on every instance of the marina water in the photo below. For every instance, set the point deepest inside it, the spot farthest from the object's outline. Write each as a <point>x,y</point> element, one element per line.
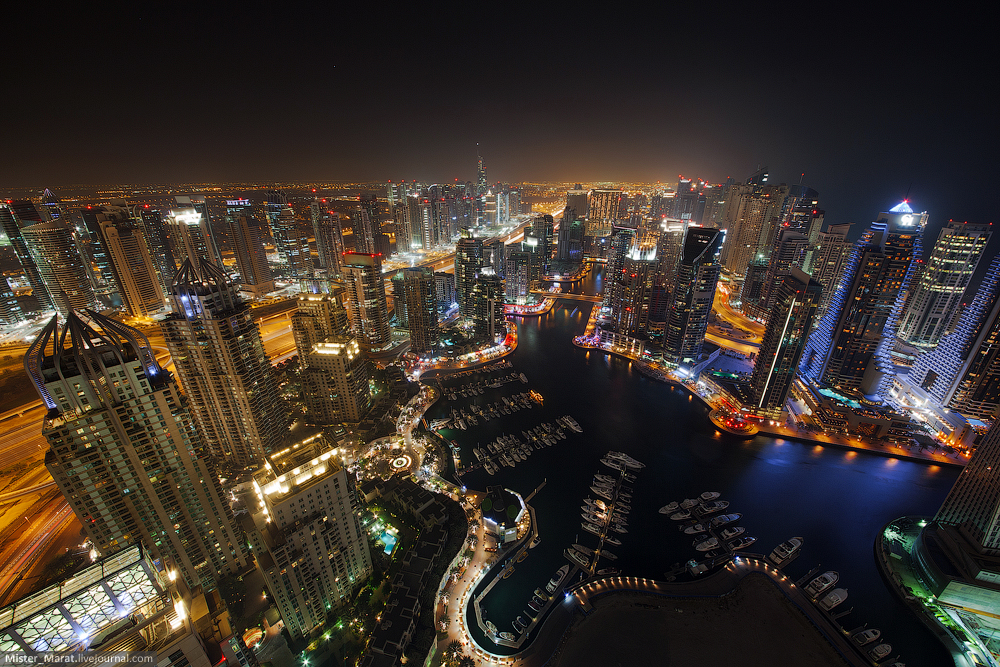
<point>837,500</point>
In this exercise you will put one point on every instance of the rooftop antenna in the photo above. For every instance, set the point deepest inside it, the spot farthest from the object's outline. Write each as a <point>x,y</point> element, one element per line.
<point>801,176</point>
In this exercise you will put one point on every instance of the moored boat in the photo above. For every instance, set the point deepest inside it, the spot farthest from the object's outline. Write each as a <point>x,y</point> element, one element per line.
<point>519,625</point>
<point>709,495</point>
<point>706,545</point>
<point>557,579</point>
<point>834,598</point>
<point>822,583</point>
<point>723,519</point>
<point>741,543</point>
<point>612,540</point>
<point>506,635</point>
<point>533,606</point>
<point>785,551</point>
<point>713,506</point>
<point>695,528</point>
<point>880,652</point>
<point>535,542</point>
<point>866,636</point>
<point>730,533</point>
<point>681,516</point>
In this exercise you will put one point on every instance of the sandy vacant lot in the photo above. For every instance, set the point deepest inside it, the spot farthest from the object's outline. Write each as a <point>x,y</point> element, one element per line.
<point>754,626</point>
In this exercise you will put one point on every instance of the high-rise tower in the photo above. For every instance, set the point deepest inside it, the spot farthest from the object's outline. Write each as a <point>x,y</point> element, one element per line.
<point>317,317</point>
<point>366,297</point>
<point>191,235</point>
<point>693,294</point>
<point>468,262</point>
<point>421,309</point>
<point>938,292</point>
<point>752,218</point>
<point>329,237</point>
<point>829,260</point>
<point>309,543</point>
<point>11,224</point>
<point>219,356</point>
<point>335,382</point>
<point>247,235</point>
<point>788,325</point>
<point>291,242</point>
<point>850,348</point>
<point>60,266</point>
<point>366,224</point>
<point>125,452</point>
<point>131,263</point>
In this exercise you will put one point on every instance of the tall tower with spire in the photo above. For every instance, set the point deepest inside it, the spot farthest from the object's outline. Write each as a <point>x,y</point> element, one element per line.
<point>219,356</point>
<point>125,452</point>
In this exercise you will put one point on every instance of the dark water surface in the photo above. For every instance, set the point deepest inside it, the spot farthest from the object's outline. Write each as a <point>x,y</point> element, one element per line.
<point>837,500</point>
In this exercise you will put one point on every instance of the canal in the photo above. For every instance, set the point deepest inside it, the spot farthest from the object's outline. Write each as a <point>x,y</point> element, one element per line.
<point>836,500</point>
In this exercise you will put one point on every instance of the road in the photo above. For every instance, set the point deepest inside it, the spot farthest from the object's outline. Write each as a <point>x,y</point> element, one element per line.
<point>725,313</point>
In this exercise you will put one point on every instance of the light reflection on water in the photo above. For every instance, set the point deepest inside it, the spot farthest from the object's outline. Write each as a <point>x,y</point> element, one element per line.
<point>838,501</point>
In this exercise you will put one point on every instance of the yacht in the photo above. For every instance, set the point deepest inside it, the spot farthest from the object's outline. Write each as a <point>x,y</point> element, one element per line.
<point>535,542</point>
<point>706,545</point>
<point>557,579</point>
<point>880,652</point>
<point>506,635</point>
<point>492,628</point>
<point>713,506</point>
<point>833,599</point>
<point>541,594</point>
<point>571,423</point>
<point>741,543</point>
<point>730,533</point>
<point>524,554</point>
<point>510,571</point>
<point>866,636</point>
<point>619,529</point>
<point>608,555</point>
<point>723,519</point>
<point>612,540</point>
<point>786,551</point>
<point>534,606</point>
<point>821,583</point>
<point>609,571</point>
<point>695,528</point>
<point>681,516</point>
<point>584,550</point>
<point>688,503</point>
<point>709,496</point>
<point>519,625</point>
<point>578,558</point>
<point>591,528</point>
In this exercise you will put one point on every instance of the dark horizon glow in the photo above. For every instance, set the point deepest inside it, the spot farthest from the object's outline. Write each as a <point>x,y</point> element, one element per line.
<point>870,107</point>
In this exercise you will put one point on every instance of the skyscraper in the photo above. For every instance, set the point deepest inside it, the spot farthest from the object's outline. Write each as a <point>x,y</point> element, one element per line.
<point>318,316</point>
<point>366,297</point>
<point>330,238</point>
<point>850,348</point>
<point>131,263</point>
<point>788,325</point>
<point>752,218</point>
<point>219,356</point>
<point>938,292</point>
<point>693,294</point>
<point>10,309</point>
<point>963,371</point>
<point>191,235</point>
<point>517,275</point>
<point>11,225</point>
<point>469,261</point>
<point>489,319</point>
<point>198,204</point>
<point>124,450</point>
<point>291,242</point>
<point>578,199</point>
<point>336,381</point>
<point>421,309</point>
<point>630,310</point>
<point>60,266</point>
<point>155,233</point>
<point>604,209</point>
<point>974,501</point>
<point>247,235</point>
<point>829,260</point>
<point>308,541</point>
<point>366,224</point>
<point>789,252</point>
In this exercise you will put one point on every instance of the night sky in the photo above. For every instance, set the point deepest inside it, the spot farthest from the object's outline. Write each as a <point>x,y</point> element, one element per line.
<point>868,105</point>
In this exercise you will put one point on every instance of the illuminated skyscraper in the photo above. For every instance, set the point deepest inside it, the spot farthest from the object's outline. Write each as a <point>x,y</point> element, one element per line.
<point>790,251</point>
<point>850,348</point>
<point>191,235</point>
<point>220,359</point>
<point>517,275</point>
<point>752,218</point>
<point>421,309</point>
<point>630,309</point>
<point>335,383</point>
<point>788,324</point>
<point>469,261</point>
<point>11,225</point>
<point>974,501</point>
<point>60,266</point>
<point>125,452</point>
<point>198,203</point>
<point>366,223</point>
<point>937,293</point>
<point>247,234</point>
<point>694,291</point>
<point>578,199</point>
<point>604,209</point>
<point>155,233</point>
<point>131,263</point>
<point>10,309</point>
<point>291,242</point>
<point>366,298</point>
<point>318,316</point>
<point>329,237</point>
<point>829,260</point>
<point>489,320</point>
<point>309,543</point>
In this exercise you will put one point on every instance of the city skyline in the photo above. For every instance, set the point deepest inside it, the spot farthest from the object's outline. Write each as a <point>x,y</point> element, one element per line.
<point>866,118</point>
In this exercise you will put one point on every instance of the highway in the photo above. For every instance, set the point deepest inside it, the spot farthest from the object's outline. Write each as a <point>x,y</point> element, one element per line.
<point>725,313</point>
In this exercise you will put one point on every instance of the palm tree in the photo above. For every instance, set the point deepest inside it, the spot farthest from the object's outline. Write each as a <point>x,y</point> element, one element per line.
<point>453,650</point>
<point>466,661</point>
